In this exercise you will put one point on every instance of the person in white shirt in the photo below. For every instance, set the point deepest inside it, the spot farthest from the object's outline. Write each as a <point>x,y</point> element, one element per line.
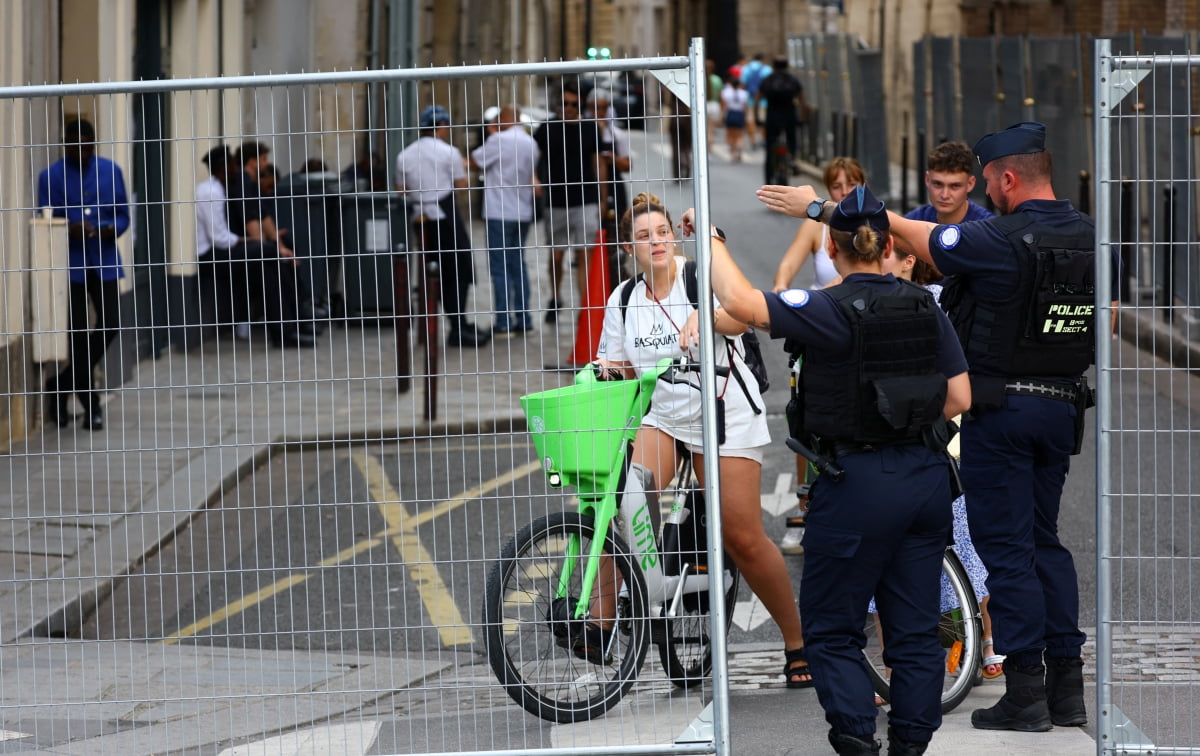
<point>734,101</point>
<point>428,172</point>
<point>508,158</point>
<point>252,261</point>
<point>658,320</point>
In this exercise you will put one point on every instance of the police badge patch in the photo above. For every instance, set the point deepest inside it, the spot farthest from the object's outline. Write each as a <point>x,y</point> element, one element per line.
<point>949,237</point>
<point>794,298</point>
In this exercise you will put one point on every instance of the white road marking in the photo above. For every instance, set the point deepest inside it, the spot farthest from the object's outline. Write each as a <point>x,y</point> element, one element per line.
<point>750,614</point>
<point>781,499</point>
<point>10,735</point>
<point>342,740</point>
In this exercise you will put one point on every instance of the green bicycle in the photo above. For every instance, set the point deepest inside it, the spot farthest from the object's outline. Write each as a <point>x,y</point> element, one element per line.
<point>576,598</point>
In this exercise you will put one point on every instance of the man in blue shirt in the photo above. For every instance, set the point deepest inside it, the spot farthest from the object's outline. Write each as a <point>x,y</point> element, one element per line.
<point>88,191</point>
<point>949,180</point>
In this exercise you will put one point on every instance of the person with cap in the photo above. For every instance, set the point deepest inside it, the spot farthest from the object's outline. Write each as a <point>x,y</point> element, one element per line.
<point>882,374</point>
<point>250,262</point>
<point>89,191</point>
<point>1021,298</point>
<point>508,157</point>
<point>428,173</point>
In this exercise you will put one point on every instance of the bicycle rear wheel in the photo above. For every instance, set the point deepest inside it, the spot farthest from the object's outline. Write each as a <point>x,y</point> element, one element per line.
<point>685,648</point>
<point>529,635</point>
<point>960,631</point>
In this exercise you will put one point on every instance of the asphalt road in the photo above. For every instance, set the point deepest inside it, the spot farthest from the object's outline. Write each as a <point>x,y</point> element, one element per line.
<point>384,548</point>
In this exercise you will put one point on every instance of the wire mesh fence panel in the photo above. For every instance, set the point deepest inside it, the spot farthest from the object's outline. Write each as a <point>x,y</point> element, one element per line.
<point>871,133</point>
<point>943,81</point>
<point>1148,426</point>
<point>1056,88</point>
<point>274,371</point>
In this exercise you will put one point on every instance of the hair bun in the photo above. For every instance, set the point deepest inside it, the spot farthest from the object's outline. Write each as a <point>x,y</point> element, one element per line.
<point>646,198</point>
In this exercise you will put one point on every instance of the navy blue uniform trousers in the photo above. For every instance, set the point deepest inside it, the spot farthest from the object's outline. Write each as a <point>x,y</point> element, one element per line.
<point>1014,464</point>
<point>879,532</point>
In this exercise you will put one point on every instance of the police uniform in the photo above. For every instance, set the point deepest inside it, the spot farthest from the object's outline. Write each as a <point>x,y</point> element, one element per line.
<point>1022,304</point>
<point>882,528</point>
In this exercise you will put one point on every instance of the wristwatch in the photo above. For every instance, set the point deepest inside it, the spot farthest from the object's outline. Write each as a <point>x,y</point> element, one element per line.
<point>715,232</point>
<point>816,209</point>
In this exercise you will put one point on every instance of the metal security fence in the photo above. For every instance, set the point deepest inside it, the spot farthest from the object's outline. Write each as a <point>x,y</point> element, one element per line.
<point>843,86</point>
<point>272,523</point>
<point>1148,561</point>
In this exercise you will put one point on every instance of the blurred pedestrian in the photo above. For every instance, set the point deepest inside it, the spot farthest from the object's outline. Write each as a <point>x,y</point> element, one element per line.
<point>575,182</point>
<point>734,102</point>
<point>89,191</point>
<point>508,158</point>
<point>429,172</point>
<point>786,109</point>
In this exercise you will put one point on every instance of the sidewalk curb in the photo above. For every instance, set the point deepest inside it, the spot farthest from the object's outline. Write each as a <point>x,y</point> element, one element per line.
<point>216,470</point>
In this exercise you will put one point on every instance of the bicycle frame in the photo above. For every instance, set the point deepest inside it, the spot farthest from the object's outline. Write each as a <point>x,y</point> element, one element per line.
<point>598,497</point>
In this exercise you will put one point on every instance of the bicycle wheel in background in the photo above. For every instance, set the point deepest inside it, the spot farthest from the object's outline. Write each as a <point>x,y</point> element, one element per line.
<point>686,648</point>
<point>529,639</point>
<point>781,163</point>
<point>960,631</point>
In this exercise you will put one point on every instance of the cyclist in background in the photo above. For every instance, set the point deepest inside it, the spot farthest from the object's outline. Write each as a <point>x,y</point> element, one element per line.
<point>879,519</point>
<point>658,320</point>
<point>785,98</point>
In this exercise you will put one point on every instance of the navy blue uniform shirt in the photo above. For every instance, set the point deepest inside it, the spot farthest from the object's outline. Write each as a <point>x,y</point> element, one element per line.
<point>982,255</point>
<point>813,317</point>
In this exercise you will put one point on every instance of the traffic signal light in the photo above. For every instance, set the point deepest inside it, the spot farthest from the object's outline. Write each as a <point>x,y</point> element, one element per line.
<point>602,53</point>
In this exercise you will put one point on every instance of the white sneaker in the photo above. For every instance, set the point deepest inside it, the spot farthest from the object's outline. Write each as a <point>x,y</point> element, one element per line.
<point>241,331</point>
<point>790,543</point>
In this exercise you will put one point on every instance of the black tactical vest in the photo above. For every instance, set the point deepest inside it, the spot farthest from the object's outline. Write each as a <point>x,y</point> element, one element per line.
<point>888,388</point>
<point>1047,326</point>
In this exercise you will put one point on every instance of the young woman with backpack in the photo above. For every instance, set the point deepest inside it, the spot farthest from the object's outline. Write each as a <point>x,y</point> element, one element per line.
<point>659,320</point>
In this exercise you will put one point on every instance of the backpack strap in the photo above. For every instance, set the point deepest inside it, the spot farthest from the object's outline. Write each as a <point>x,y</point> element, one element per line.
<point>627,293</point>
<point>691,285</point>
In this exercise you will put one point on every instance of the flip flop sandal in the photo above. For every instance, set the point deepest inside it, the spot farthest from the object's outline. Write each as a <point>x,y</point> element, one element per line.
<point>993,664</point>
<point>796,665</point>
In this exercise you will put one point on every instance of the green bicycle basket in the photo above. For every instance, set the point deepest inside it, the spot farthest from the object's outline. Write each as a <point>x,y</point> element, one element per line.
<point>577,429</point>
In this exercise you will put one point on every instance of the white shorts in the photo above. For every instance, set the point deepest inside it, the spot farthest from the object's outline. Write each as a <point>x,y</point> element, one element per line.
<point>754,453</point>
<point>571,228</point>
<point>713,109</point>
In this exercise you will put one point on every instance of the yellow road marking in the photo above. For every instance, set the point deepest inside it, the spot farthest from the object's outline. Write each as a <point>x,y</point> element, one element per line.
<point>402,529</point>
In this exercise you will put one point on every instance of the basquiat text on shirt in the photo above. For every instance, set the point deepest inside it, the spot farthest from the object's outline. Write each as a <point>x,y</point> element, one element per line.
<point>659,337</point>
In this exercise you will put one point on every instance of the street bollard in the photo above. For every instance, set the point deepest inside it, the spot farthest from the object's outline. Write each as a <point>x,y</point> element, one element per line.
<point>904,207</point>
<point>401,309</point>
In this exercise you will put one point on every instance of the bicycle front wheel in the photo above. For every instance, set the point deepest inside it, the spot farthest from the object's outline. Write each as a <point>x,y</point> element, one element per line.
<point>530,636</point>
<point>686,646</point>
<point>960,632</point>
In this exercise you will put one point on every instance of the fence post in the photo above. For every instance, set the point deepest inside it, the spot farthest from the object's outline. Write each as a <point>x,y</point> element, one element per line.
<point>1128,235</point>
<point>922,156</point>
<point>904,173</point>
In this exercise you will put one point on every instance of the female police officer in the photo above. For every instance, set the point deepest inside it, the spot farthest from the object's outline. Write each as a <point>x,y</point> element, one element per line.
<point>882,371</point>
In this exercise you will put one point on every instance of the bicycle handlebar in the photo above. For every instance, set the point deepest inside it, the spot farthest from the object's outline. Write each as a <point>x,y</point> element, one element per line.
<point>669,372</point>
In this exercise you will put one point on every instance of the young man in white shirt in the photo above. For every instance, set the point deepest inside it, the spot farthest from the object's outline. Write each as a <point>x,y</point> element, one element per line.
<point>428,173</point>
<point>508,158</point>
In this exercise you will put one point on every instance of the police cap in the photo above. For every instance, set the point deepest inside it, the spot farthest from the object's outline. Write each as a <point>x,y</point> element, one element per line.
<point>1023,138</point>
<point>860,208</point>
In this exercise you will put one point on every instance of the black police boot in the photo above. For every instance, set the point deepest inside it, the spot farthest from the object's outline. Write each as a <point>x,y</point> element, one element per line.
<point>853,745</point>
<point>1023,705</point>
<point>1064,691</point>
<point>899,747</point>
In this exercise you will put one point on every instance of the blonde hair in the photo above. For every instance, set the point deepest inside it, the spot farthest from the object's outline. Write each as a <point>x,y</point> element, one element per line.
<point>643,204</point>
<point>866,244</point>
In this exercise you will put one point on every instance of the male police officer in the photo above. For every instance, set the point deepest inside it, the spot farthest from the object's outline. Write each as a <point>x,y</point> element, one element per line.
<point>1023,310</point>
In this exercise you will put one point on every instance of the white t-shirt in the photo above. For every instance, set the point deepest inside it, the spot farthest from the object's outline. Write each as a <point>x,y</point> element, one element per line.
<point>647,334</point>
<point>508,159</point>
<point>734,98</point>
<point>427,169</point>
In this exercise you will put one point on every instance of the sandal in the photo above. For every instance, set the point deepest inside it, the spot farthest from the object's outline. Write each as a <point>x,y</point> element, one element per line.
<point>993,664</point>
<point>592,643</point>
<point>796,669</point>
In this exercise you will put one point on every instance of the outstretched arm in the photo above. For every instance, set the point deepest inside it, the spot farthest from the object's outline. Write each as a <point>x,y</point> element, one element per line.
<point>738,298</point>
